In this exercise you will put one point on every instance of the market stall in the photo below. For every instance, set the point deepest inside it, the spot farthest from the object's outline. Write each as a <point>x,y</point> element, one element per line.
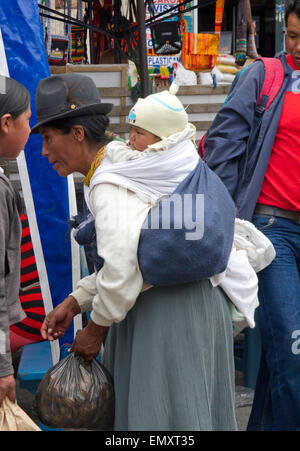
<point>113,32</point>
<point>150,65</point>
<point>160,40</point>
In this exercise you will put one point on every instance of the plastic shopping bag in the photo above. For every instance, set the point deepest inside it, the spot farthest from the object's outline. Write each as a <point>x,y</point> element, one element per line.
<point>75,394</point>
<point>13,418</point>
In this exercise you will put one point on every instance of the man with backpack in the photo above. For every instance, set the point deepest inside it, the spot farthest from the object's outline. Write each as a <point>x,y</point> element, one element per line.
<point>254,147</point>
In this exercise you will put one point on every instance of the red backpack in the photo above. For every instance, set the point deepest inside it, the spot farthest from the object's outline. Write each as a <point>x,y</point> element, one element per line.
<point>274,76</point>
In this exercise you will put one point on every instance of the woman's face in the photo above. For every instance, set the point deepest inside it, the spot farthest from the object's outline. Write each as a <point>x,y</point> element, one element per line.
<point>62,150</point>
<point>14,133</point>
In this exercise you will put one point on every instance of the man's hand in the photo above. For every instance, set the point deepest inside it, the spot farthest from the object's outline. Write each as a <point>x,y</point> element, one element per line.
<point>57,322</point>
<point>88,341</point>
<point>7,388</point>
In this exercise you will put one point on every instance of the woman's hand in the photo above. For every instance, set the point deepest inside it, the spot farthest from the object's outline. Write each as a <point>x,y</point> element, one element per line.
<point>8,388</point>
<point>57,322</point>
<point>88,341</point>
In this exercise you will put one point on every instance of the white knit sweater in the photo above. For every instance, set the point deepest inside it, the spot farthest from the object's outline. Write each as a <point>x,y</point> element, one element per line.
<point>112,292</point>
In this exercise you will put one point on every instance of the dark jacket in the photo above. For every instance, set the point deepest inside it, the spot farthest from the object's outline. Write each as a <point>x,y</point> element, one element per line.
<point>10,253</point>
<point>226,141</point>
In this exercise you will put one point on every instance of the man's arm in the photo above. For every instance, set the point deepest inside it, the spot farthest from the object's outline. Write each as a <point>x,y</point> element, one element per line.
<point>226,140</point>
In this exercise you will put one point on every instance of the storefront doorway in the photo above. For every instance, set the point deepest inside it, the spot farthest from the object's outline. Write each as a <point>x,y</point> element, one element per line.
<point>263,12</point>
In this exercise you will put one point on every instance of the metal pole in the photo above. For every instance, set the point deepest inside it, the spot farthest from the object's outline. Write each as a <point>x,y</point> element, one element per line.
<point>233,29</point>
<point>90,13</point>
<point>117,14</point>
<point>195,18</point>
<point>279,26</point>
<point>143,66</point>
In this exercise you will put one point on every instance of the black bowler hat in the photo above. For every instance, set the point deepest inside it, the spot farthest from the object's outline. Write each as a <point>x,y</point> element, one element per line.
<point>67,95</point>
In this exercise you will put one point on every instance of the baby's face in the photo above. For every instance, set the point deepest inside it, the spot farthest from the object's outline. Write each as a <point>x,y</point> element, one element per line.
<point>140,139</point>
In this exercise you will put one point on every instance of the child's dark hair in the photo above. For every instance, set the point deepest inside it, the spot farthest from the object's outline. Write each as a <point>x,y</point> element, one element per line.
<point>94,126</point>
<point>14,97</point>
<point>292,6</point>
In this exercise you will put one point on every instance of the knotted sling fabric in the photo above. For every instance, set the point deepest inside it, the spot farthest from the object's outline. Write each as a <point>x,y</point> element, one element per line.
<point>151,174</point>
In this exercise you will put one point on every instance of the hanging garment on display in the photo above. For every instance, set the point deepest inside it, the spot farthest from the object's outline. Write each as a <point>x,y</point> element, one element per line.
<point>78,38</point>
<point>219,15</point>
<point>127,27</point>
<point>241,33</point>
<point>77,44</point>
<point>251,29</point>
<point>58,46</point>
<point>101,18</point>
<point>200,50</point>
<point>58,50</point>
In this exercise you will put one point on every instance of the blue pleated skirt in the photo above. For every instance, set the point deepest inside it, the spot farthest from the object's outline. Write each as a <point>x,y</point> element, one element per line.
<point>172,361</point>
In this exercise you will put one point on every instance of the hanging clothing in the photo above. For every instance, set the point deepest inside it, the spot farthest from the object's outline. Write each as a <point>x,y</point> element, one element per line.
<point>30,293</point>
<point>241,33</point>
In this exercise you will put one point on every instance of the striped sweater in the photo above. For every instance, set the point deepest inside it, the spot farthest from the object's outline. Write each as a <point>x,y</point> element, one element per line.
<point>30,291</point>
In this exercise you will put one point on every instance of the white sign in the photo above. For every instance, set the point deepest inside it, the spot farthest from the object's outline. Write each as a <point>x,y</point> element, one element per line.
<point>159,7</point>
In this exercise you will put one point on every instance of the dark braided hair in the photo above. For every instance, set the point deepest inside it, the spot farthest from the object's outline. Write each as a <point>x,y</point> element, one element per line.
<point>14,97</point>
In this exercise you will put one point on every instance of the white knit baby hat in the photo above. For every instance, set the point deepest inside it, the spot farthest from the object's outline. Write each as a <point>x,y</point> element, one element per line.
<point>161,114</point>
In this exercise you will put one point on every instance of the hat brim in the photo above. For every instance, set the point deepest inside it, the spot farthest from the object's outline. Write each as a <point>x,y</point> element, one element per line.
<point>97,108</point>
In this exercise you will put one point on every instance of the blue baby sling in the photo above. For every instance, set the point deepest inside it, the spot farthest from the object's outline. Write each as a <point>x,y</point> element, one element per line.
<point>187,237</point>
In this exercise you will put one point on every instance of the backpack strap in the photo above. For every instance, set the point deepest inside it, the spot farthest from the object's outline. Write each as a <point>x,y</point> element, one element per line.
<point>274,76</point>
<point>273,80</point>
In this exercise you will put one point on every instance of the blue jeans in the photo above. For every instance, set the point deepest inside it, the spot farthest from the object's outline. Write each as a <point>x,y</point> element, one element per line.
<point>276,403</point>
